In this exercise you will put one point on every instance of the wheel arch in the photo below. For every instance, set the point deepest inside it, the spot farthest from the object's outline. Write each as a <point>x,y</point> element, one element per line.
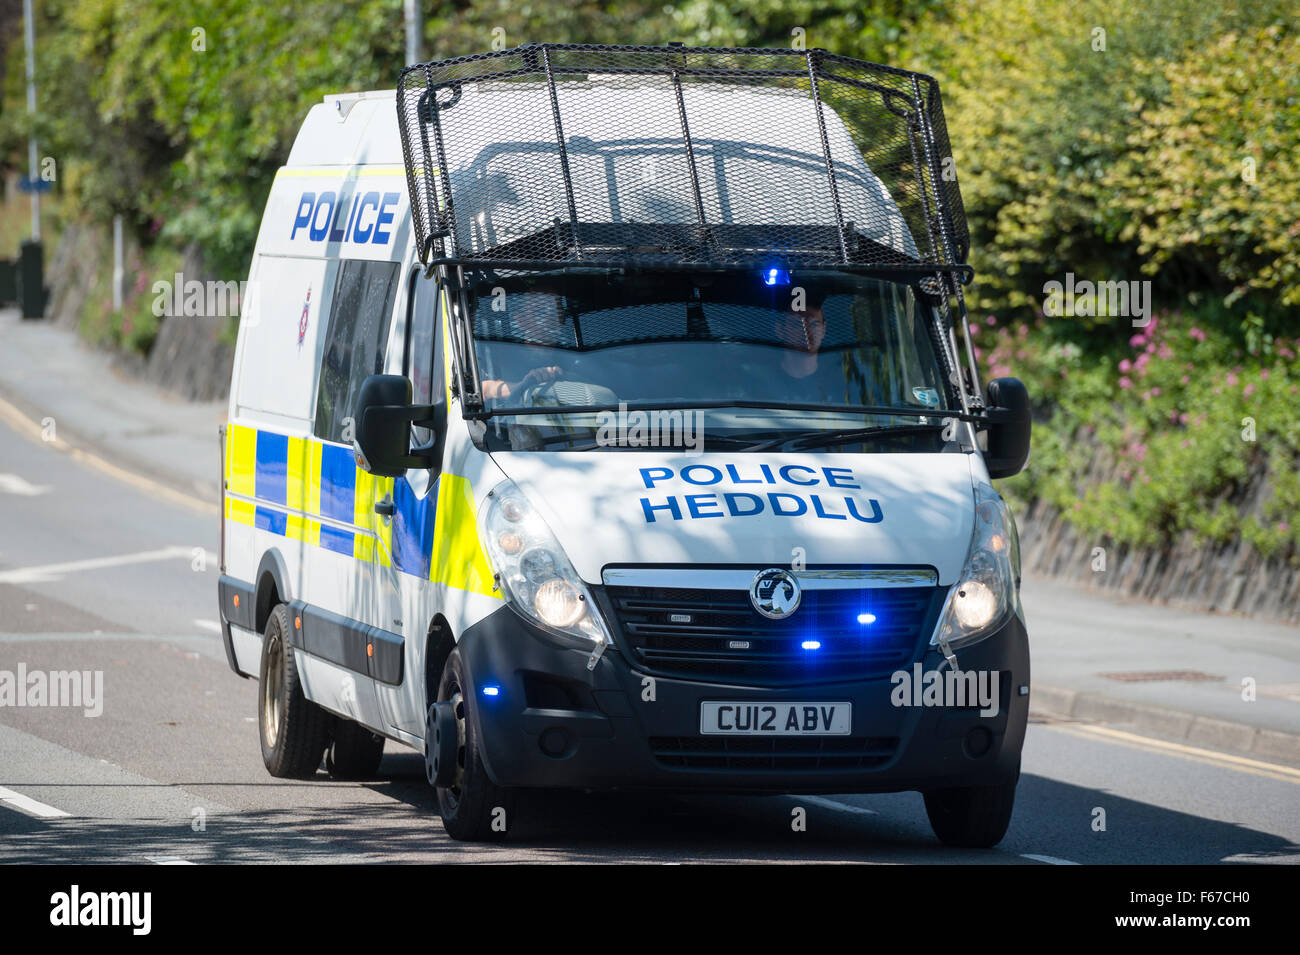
<point>271,587</point>
<point>438,644</point>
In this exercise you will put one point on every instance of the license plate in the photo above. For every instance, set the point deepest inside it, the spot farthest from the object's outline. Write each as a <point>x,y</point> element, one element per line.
<point>776,719</point>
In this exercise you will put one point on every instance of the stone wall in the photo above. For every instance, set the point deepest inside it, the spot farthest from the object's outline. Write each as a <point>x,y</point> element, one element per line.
<point>190,357</point>
<point>1231,577</point>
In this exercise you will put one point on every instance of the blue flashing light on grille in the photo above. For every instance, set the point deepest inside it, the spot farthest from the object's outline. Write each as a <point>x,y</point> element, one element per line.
<point>775,276</point>
<point>866,618</point>
<point>491,690</point>
<point>811,644</point>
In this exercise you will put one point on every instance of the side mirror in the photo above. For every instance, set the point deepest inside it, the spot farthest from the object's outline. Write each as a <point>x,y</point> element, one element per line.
<point>1009,430</point>
<point>383,416</point>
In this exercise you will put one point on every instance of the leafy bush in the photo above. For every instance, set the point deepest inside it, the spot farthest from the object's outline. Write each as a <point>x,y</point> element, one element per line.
<point>1124,162</point>
<point>1183,415</point>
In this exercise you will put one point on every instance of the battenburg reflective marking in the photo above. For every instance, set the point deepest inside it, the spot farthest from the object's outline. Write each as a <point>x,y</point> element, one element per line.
<point>313,492</point>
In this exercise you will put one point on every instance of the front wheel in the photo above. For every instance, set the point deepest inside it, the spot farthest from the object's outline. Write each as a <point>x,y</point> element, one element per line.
<point>473,808</point>
<point>971,817</point>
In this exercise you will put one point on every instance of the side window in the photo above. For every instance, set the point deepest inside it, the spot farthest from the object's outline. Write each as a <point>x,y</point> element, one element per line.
<point>355,342</point>
<point>422,353</point>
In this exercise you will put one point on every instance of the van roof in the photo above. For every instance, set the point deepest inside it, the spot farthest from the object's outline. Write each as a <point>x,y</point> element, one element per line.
<point>349,129</point>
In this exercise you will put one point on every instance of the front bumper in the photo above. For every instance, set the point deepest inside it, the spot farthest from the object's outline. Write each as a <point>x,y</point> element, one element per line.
<point>553,723</point>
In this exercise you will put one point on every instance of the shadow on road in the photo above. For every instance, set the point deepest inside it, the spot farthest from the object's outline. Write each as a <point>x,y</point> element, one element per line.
<point>1051,819</point>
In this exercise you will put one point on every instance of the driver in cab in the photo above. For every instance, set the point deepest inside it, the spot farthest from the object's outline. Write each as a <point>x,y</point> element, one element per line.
<point>535,322</point>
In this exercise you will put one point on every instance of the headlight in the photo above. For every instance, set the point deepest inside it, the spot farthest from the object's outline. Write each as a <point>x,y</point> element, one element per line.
<point>536,577</point>
<point>984,597</point>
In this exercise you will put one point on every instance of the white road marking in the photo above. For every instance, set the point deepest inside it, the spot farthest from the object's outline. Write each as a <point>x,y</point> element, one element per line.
<point>209,625</point>
<point>50,572</point>
<point>168,860</point>
<point>834,804</point>
<point>29,805</point>
<point>13,484</point>
<point>1050,860</point>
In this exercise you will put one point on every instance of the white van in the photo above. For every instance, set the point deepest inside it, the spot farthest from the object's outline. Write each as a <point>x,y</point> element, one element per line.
<point>598,421</point>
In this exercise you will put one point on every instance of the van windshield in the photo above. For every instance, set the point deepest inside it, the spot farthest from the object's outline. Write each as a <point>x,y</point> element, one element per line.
<point>808,347</point>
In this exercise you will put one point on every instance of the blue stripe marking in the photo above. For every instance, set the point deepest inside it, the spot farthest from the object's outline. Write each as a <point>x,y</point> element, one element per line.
<point>338,483</point>
<point>271,469</point>
<point>274,521</point>
<point>413,528</point>
<point>331,538</point>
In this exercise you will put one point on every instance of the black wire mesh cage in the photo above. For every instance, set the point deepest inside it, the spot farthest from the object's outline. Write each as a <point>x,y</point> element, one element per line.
<point>602,156</point>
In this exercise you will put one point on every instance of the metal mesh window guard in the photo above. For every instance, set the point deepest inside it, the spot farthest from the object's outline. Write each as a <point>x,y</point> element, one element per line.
<point>575,155</point>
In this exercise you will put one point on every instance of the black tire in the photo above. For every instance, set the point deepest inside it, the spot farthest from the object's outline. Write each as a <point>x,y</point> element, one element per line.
<point>473,808</point>
<point>355,752</point>
<point>971,817</point>
<point>293,729</point>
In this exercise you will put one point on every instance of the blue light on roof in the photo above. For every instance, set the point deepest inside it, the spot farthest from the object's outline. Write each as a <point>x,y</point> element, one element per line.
<point>865,618</point>
<point>776,277</point>
<point>491,691</point>
<point>812,644</point>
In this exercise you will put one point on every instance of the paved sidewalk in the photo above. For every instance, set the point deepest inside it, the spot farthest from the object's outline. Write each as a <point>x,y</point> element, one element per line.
<point>48,372</point>
<point>1169,672</point>
<point>1076,636</point>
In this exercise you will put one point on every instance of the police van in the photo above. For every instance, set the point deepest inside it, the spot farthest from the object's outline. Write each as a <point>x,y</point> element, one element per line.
<point>607,418</point>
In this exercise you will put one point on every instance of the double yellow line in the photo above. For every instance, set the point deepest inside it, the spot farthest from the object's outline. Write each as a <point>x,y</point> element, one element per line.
<point>32,430</point>
<point>1208,757</point>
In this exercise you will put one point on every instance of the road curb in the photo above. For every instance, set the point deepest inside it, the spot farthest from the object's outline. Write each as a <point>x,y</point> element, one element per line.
<point>1167,723</point>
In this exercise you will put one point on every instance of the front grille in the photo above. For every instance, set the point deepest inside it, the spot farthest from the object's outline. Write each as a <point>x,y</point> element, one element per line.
<point>772,753</point>
<point>717,635</point>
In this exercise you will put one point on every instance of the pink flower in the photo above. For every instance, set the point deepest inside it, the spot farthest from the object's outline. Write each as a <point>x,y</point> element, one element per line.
<point>1284,527</point>
<point>990,321</point>
<point>1248,390</point>
<point>1125,383</point>
<point>1263,374</point>
<point>1155,392</point>
<point>1125,365</point>
<point>1137,341</point>
<point>1165,352</point>
<point>1231,380</point>
<point>1197,334</point>
<point>1185,379</point>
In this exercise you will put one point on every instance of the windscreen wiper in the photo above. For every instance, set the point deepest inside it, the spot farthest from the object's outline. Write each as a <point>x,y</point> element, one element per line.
<point>819,439</point>
<point>723,403</point>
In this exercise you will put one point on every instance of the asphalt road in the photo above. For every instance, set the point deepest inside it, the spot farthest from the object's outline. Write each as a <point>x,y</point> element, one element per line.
<point>102,572</point>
